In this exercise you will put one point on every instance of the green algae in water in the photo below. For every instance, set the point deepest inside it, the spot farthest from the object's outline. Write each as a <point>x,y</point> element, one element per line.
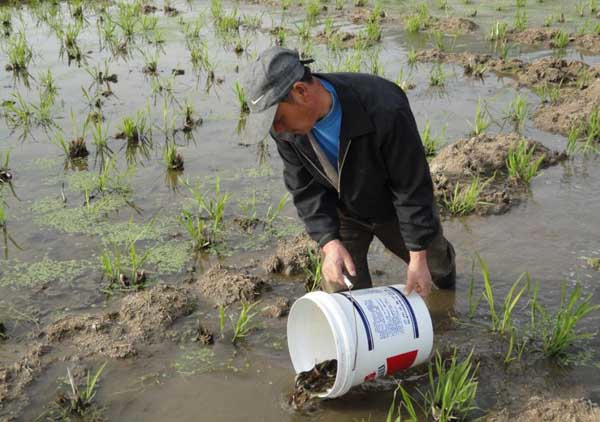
<point>171,256</point>
<point>28,274</point>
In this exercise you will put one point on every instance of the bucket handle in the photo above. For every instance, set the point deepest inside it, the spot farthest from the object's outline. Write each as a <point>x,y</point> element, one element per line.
<point>349,285</point>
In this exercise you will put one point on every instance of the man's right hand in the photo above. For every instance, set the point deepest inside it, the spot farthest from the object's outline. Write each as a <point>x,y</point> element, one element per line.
<point>337,258</point>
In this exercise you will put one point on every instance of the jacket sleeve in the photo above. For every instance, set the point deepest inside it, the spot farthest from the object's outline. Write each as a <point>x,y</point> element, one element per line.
<point>410,181</point>
<point>315,203</point>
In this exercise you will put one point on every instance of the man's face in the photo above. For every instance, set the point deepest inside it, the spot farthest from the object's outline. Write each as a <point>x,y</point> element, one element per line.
<point>296,115</point>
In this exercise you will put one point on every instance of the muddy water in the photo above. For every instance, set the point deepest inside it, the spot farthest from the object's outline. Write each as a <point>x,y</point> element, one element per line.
<point>549,234</point>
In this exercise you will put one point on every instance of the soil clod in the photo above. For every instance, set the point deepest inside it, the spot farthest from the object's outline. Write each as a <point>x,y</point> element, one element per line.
<point>292,256</point>
<point>279,309</point>
<point>226,285</point>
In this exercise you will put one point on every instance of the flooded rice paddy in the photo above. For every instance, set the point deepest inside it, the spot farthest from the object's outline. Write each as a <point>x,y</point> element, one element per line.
<point>140,253</point>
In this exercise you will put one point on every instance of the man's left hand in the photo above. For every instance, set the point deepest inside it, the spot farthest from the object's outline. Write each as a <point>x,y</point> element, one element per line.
<point>418,277</point>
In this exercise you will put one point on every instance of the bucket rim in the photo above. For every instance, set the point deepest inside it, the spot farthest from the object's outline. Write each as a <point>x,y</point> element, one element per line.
<point>343,345</point>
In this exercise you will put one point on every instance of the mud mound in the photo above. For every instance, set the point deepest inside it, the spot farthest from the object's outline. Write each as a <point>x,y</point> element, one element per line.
<point>116,335</point>
<point>534,35</point>
<point>551,70</point>
<point>150,310</point>
<point>550,410</point>
<point>452,25</point>
<point>227,285</point>
<point>589,43</point>
<point>573,110</point>
<point>485,157</point>
<point>278,309</point>
<point>291,256</point>
<point>14,378</point>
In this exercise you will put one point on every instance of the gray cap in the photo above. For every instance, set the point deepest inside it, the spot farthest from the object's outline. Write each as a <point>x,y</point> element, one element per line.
<point>270,77</point>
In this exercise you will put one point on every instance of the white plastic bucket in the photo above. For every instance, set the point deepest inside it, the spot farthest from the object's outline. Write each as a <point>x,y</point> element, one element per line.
<point>370,332</point>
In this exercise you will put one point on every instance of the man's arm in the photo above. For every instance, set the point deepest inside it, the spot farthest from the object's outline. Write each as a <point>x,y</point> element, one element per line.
<point>412,192</point>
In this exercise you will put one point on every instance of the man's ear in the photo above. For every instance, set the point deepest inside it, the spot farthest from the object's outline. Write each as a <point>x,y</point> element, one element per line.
<point>301,92</point>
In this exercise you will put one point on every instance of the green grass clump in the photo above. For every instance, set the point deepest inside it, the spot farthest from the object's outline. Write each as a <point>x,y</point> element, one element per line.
<point>558,329</point>
<point>498,31</point>
<point>431,143</point>
<point>517,112</point>
<point>437,77</point>
<point>560,39</point>
<point>452,388</point>
<point>313,271</point>
<point>244,324</point>
<point>594,263</point>
<point>464,199</point>
<point>481,122</point>
<point>406,403</point>
<point>241,97</point>
<point>520,162</point>
<point>18,52</point>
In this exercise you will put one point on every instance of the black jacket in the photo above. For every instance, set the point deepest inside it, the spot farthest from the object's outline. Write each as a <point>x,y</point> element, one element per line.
<point>382,168</point>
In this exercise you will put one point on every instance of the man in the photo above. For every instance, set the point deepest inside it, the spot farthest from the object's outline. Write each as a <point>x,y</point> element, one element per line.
<point>355,166</point>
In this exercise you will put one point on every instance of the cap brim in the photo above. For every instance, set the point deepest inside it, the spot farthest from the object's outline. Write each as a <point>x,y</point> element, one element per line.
<point>259,124</point>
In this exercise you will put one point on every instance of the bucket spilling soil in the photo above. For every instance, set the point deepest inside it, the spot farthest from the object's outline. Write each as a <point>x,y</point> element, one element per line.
<point>310,383</point>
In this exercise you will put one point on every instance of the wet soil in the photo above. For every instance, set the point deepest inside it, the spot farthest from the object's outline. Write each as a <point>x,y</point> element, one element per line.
<point>484,156</point>
<point>15,377</point>
<point>543,71</point>
<point>279,308</point>
<point>543,37</point>
<point>313,382</point>
<point>226,285</point>
<point>292,256</point>
<point>452,25</point>
<point>142,316</point>
<point>549,409</point>
<point>572,110</point>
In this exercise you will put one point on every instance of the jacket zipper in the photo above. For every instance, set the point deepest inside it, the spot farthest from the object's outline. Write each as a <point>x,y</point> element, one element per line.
<point>340,168</point>
<point>317,168</point>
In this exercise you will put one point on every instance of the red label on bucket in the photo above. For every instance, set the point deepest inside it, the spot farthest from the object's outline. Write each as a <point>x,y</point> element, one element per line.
<point>371,376</point>
<point>401,361</point>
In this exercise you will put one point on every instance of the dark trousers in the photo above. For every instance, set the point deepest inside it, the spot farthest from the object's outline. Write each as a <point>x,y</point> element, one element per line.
<point>356,236</point>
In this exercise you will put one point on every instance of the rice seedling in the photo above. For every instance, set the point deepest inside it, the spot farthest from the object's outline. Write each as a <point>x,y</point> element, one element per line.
<point>580,7</point>
<point>521,3</point>
<point>190,121</point>
<point>520,22</point>
<point>411,57</point>
<point>196,229</point>
<point>2,215</point>
<point>548,21</point>
<point>18,53</point>
<point>498,31</point>
<point>128,19</point>
<point>313,10</point>
<point>593,6</point>
<point>79,401</point>
<point>192,30</point>
<point>437,77</point>
<point>5,175</point>
<point>5,21</point>
<point>273,212</point>
<point>48,85</point>
<point>591,132</point>
<point>405,83</point>
<point>481,122</point>
<point>558,329</point>
<point>406,403</point>
<point>360,3</point>
<point>135,130</point>
<point>520,162</point>
<point>251,21</point>
<point>69,35</point>
<point>216,8</point>
<point>173,159</point>
<point>372,32</point>
<point>560,39</point>
<point>501,319</point>
<point>548,93</point>
<point>476,70</point>
<point>280,35</point>
<point>431,143</point>
<point>313,271</point>
<point>573,140</point>
<point>464,199</point>
<point>339,4</point>
<point>442,4</point>
<point>244,323</point>
<point>228,22</point>
<point>414,23</point>
<point>438,40</point>
<point>452,388</point>
<point>517,112</point>
<point>241,97</point>
<point>213,207</point>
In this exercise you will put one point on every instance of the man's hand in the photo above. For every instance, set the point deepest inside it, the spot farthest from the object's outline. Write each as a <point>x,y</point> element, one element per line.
<point>418,277</point>
<point>336,260</point>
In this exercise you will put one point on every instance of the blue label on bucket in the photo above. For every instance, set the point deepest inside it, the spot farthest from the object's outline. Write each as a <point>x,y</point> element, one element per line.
<point>361,313</point>
<point>409,308</point>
